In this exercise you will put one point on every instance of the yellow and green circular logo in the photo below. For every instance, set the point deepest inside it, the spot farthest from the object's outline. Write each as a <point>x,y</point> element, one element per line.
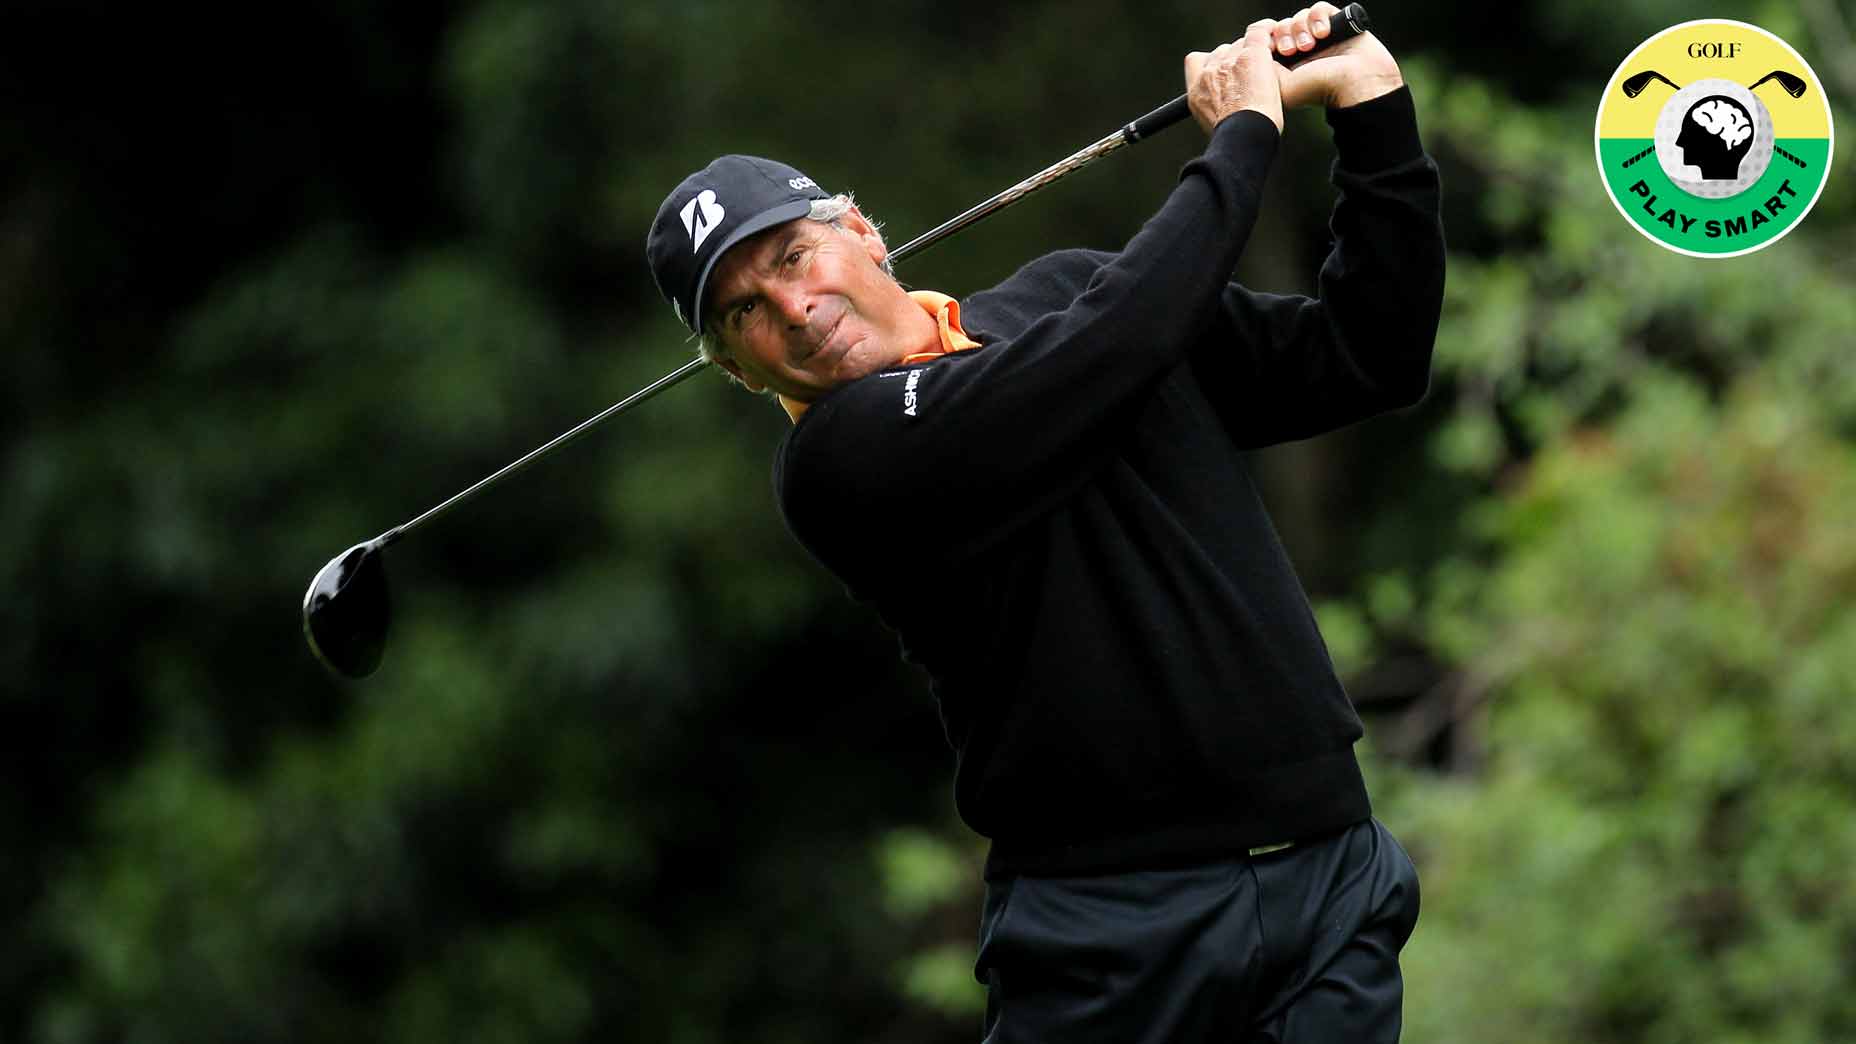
<point>1714,138</point>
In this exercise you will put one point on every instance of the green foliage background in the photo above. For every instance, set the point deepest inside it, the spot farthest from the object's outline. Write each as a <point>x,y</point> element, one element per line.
<point>635,768</point>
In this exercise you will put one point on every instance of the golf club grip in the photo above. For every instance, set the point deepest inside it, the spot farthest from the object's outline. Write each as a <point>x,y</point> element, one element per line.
<point>1349,23</point>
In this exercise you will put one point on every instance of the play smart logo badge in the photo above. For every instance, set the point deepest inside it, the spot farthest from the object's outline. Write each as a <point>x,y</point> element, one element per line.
<point>1714,138</point>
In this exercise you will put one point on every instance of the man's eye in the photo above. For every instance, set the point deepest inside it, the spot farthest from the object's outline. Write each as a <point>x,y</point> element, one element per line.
<point>741,312</point>
<point>793,257</point>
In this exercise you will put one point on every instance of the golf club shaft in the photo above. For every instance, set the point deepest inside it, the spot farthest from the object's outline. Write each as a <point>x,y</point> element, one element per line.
<point>680,374</point>
<point>1352,21</point>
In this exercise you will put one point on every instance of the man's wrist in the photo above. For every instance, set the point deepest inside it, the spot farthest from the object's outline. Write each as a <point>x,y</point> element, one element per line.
<point>1364,89</point>
<point>1273,115</point>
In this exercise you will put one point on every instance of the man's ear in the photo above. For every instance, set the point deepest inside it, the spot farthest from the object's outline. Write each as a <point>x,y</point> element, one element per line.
<point>734,370</point>
<point>856,223</point>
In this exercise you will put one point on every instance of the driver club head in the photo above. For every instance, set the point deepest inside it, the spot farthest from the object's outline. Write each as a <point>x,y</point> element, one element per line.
<point>346,611</point>
<point>1635,84</point>
<point>1793,85</point>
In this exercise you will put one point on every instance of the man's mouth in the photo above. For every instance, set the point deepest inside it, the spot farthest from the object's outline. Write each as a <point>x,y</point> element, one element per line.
<point>821,342</point>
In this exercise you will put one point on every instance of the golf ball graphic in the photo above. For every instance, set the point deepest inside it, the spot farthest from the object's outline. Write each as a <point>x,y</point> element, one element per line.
<point>1714,139</point>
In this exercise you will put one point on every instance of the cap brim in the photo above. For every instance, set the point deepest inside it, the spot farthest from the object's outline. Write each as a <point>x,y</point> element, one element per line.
<point>766,219</point>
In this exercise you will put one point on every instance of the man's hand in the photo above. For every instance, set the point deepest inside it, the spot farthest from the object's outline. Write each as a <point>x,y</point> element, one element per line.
<point>1348,73</point>
<point>1241,75</point>
<point>1238,75</point>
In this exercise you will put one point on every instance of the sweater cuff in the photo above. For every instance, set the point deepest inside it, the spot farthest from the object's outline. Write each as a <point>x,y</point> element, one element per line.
<point>1378,133</point>
<point>1246,140</point>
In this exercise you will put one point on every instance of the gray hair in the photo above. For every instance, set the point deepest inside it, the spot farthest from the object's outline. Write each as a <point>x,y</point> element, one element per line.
<point>825,211</point>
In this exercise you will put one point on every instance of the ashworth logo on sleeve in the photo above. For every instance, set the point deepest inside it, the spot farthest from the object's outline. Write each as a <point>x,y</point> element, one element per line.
<point>910,400</point>
<point>1714,138</point>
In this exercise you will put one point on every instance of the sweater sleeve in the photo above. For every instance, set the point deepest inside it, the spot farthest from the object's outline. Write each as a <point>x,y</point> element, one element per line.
<point>1281,367</point>
<point>966,447</point>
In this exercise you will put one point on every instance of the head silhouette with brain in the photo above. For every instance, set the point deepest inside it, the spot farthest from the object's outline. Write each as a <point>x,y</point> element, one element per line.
<point>1716,135</point>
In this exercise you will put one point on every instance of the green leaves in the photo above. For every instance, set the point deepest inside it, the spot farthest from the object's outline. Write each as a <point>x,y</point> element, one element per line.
<point>1650,827</point>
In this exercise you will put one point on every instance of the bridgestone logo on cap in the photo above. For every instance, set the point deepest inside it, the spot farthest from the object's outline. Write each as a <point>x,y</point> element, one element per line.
<point>1714,138</point>
<point>700,216</point>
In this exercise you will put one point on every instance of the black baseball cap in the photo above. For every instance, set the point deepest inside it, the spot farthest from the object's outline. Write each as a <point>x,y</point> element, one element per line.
<point>712,210</point>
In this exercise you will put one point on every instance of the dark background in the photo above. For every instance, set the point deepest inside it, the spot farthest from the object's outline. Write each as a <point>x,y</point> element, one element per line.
<point>634,767</point>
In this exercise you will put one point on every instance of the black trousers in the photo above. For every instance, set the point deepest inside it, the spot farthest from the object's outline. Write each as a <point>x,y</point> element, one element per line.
<point>1295,946</point>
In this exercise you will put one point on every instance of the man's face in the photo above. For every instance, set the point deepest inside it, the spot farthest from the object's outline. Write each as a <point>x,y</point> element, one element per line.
<point>804,307</point>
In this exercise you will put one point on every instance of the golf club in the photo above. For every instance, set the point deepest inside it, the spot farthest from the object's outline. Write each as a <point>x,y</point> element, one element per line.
<point>1793,85</point>
<point>347,610</point>
<point>1635,84</point>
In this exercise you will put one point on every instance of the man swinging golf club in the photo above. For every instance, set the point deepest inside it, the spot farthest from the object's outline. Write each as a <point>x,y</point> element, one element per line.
<point>1042,489</point>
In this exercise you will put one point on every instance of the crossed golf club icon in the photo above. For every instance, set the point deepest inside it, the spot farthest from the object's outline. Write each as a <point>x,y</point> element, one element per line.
<point>1634,84</point>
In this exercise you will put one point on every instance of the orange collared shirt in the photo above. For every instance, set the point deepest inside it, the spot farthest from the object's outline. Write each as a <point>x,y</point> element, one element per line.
<point>946,312</point>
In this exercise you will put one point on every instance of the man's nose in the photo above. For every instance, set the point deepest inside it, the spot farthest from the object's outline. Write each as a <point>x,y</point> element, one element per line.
<point>792,304</point>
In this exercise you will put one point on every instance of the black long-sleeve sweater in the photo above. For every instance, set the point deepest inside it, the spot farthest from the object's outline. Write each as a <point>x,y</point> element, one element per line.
<point>1126,664</point>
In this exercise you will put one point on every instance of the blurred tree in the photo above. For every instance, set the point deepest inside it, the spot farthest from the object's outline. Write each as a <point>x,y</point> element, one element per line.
<point>1660,663</point>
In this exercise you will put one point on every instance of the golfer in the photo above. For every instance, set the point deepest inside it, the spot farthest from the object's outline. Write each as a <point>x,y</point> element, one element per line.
<point>1042,489</point>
